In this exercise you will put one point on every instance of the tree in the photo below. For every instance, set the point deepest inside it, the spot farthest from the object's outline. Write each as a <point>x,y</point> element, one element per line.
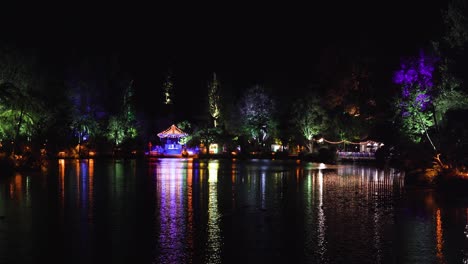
<point>168,88</point>
<point>116,130</point>
<point>84,122</point>
<point>456,33</point>
<point>416,101</point>
<point>310,118</point>
<point>214,99</point>
<point>21,111</point>
<point>124,126</point>
<point>256,109</point>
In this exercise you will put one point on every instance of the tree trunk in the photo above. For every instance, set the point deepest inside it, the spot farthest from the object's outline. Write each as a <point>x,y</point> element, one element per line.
<point>311,146</point>
<point>18,129</point>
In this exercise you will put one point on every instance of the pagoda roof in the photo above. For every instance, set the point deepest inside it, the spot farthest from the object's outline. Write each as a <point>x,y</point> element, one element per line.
<point>172,132</point>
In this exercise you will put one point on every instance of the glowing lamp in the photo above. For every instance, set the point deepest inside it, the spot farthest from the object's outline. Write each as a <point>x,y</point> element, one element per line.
<point>213,148</point>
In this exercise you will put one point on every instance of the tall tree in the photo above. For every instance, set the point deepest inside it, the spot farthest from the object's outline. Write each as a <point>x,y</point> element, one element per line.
<point>214,99</point>
<point>168,89</point>
<point>124,126</point>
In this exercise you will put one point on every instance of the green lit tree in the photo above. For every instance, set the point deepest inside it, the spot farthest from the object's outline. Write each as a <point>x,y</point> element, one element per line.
<point>168,89</point>
<point>116,130</point>
<point>416,120</point>
<point>450,95</point>
<point>310,118</point>
<point>22,113</point>
<point>186,127</point>
<point>415,105</point>
<point>124,126</point>
<point>214,99</point>
<point>206,136</point>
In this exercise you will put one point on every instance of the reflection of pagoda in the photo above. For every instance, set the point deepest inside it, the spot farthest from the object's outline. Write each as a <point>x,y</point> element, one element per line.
<point>171,140</point>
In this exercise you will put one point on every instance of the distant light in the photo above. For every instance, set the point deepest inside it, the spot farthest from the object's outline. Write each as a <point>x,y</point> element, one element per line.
<point>322,166</point>
<point>213,148</point>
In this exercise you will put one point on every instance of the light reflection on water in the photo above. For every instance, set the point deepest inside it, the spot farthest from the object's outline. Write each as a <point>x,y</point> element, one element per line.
<point>192,211</point>
<point>170,184</point>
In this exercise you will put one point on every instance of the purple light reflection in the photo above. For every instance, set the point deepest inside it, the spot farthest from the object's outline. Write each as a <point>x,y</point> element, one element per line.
<point>171,191</point>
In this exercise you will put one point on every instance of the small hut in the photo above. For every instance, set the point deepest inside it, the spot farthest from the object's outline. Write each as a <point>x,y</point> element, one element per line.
<point>171,140</point>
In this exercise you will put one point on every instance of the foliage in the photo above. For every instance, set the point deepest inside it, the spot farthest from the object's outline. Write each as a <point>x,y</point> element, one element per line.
<point>124,126</point>
<point>257,109</point>
<point>22,115</point>
<point>214,99</point>
<point>206,136</point>
<point>456,34</point>
<point>449,97</point>
<point>416,119</point>
<point>186,127</point>
<point>115,130</point>
<point>168,88</point>
<point>415,104</point>
<point>310,118</point>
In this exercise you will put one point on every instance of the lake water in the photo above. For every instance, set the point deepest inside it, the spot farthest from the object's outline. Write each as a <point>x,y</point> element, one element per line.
<point>192,211</point>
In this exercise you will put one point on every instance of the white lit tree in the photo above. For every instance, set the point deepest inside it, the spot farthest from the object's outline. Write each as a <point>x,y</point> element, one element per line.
<point>256,109</point>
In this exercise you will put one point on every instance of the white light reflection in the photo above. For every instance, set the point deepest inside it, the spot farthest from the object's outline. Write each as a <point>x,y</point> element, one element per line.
<point>465,254</point>
<point>309,209</point>
<point>214,232</point>
<point>322,166</point>
<point>322,247</point>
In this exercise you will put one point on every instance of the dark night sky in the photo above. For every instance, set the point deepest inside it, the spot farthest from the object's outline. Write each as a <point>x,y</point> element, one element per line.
<point>278,46</point>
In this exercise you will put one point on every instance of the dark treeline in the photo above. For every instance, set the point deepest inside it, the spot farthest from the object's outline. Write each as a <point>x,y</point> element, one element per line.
<point>102,97</point>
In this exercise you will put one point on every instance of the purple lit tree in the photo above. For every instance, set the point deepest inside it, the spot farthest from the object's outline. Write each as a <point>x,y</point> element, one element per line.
<point>416,101</point>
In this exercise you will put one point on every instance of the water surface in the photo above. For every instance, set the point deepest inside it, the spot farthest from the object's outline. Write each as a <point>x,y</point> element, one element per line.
<point>192,211</point>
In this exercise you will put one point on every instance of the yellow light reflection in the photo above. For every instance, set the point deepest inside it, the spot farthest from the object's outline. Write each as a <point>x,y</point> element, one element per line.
<point>439,238</point>
<point>90,188</point>
<point>61,179</point>
<point>16,187</point>
<point>78,182</point>
<point>213,166</point>
<point>214,232</point>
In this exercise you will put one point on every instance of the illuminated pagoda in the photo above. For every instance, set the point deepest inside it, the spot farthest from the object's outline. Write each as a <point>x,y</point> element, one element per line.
<point>171,140</point>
